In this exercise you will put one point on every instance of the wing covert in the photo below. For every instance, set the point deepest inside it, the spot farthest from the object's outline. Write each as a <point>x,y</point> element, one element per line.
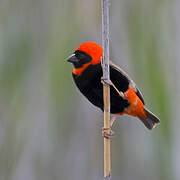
<point>131,82</point>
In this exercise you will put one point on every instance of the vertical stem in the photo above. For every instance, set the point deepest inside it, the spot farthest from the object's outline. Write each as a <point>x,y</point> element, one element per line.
<point>106,88</point>
<point>107,159</point>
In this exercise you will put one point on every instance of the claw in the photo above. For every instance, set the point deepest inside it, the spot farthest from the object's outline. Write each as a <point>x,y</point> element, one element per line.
<point>107,135</point>
<point>107,82</point>
<point>104,130</point>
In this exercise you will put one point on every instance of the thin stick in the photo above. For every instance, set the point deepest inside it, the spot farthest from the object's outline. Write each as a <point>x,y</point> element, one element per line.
<point>106,88</point>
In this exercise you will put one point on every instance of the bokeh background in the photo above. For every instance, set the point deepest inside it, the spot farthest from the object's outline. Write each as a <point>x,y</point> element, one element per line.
<point>48,130</point>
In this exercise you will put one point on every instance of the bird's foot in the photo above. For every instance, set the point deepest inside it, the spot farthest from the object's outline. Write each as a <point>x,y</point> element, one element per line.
<point>106,134</point>
<point>109,82</point>
<point>105,81</point>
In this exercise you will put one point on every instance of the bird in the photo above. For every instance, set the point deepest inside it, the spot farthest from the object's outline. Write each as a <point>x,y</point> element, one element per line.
<point>125,97</point>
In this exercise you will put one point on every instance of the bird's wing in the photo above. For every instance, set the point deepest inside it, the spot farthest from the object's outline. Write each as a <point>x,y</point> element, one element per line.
<point>131,82</point>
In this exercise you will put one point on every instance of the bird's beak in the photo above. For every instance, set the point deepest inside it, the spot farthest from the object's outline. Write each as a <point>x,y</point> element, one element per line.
<point>72,59</point>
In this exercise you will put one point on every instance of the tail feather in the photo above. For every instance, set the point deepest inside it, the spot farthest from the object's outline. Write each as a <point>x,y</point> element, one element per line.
<point>151,120</point>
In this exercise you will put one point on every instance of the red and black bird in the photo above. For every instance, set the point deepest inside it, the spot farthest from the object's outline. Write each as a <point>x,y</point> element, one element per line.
<point>125,97</point>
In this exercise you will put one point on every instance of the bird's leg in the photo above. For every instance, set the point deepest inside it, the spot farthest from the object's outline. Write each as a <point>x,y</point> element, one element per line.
<point>111,84</point>
<point>109,135</point>
<point>113,120</point>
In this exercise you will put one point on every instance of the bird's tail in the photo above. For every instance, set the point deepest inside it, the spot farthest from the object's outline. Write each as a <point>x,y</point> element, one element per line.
<point>151,120</point>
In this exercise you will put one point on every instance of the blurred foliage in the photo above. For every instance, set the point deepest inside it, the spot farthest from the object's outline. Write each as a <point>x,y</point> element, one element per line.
<point>146,41</point>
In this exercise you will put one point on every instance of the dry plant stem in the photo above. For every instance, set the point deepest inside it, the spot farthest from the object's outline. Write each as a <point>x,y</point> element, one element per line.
<point>106,88</point>
<point>107,160</point>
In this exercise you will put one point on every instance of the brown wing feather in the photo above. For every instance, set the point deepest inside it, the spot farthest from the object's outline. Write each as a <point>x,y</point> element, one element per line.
<point>131,82</point>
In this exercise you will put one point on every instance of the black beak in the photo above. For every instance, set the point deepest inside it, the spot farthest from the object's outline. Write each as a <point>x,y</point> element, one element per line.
<point>73,59</point>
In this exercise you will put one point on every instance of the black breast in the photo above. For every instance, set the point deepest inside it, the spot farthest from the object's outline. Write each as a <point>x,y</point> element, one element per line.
<point>89,83</point>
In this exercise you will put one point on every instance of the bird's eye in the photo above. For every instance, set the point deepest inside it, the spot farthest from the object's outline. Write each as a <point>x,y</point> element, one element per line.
<point>83,57</point>
<point>80,56</point>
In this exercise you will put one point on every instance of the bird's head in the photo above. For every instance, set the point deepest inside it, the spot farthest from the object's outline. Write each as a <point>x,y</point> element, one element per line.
<point>89,53</point>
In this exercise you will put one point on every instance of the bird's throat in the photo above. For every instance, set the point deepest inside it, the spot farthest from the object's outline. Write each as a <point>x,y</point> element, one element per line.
<point>78,71</point>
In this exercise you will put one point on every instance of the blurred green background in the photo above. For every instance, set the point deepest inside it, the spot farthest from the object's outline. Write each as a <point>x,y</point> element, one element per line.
<point>48,130</point>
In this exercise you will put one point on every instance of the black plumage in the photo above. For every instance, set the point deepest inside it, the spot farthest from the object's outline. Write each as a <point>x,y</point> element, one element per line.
<point>89,83</point>
<point>87,76</point>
